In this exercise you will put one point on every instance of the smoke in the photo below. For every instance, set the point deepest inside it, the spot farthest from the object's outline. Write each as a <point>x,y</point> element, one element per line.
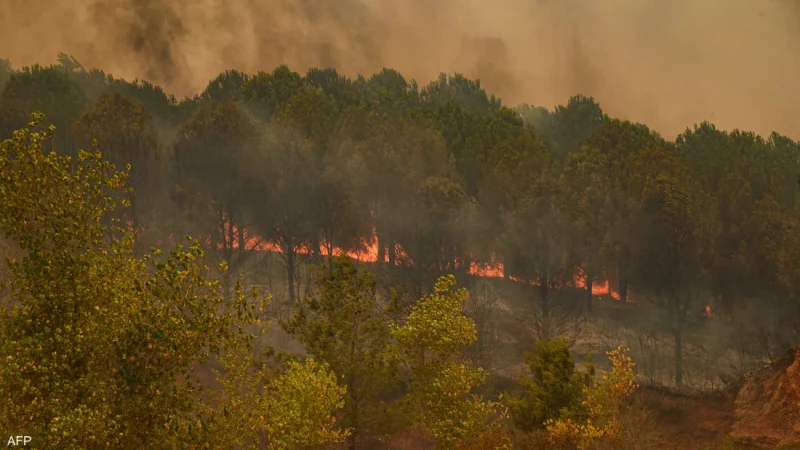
<point>665,63</point>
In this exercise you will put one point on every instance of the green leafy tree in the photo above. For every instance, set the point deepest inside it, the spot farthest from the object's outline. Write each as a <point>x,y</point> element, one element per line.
<point>588,198</point>
<point>346,325</point>
<point>571,125</point>
<point>257,406</point>
<point>465,92</point>
<point>226,87</point>
<point>111,340</point>
<point>93,82</point>
<point>554,388</point>
<point>302,402</point>
<point>312,117</point>
<point>5,72</point>
<point>676,230</point>
<point>437,230</point>
<point>471,123</point>
<point>51,91</point>
<point>266,93</point>
<point>620,141</point>
<point>539,240</point>
<point>384,169</point>
<point>431,345</point>
<point>212,147</point>
<point>772,265</point>
<point>601,409</point>
<point>283,183</point>
<point>124,131</point>
<point>515,168</point>
<point>335,85</point>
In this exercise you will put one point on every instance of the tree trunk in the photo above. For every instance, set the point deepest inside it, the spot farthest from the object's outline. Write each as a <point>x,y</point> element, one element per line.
<point>544,299</point>
<point>226,284</point>
<point>314,244</point>
<point>241,247</point>
<point>381,246</point>
<point>290,272</point>
<point>678,349</point>
<point>589,285</point>
<point>623,280</point>
<point>451,259</point>
<point>392,252</point>
<point>354,422</point>
<point>727,303</point>
<point>138,245</point>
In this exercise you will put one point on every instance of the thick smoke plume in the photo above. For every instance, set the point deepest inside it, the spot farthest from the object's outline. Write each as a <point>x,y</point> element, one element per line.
<point>665,63</point>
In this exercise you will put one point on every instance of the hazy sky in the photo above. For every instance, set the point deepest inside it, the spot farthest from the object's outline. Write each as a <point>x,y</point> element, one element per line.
<point>667,63</point>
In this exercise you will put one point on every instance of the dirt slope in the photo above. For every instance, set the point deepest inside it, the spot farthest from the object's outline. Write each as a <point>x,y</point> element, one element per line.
<point>767,413</point>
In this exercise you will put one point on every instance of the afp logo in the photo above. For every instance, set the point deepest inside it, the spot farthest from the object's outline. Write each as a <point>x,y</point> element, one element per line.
<point>14,441</point>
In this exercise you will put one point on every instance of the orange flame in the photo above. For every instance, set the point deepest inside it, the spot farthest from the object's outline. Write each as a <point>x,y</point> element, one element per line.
<point>599,287</point>
<point>369,254</point>
<point>486,270</point>
<point>708,311</point>
<point>257,243</point>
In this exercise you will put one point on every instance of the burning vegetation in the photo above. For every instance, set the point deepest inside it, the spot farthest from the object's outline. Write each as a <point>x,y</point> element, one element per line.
<point>493,242</point>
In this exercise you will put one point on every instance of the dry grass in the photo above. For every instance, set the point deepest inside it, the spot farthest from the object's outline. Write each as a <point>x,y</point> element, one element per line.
<point>689,421</point>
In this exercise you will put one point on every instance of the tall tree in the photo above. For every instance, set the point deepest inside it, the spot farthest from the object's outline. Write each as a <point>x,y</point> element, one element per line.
<point>124,132</point>
<point>431,345</point>
<point>5,72</point>
<point>767,255</point>
<point>544,249</point>
<point>113,337</point>
<point>50,91</point>
<point>587,191</point>
<point>436,230</point>
<point>572,124</point>
<point>513,169</point>
<point>676,230</point>
<point>335,85</point>
<point>226,87</point>
<point>620,141</point>
<point>265,93</point>
<point>211,148</point>
<point>346,325</point>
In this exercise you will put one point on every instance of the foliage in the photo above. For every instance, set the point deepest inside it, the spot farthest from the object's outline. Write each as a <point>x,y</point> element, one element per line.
<point>111,340</point>
<point>254,407</point>
<point>602,405</point>
<point>210,149</point>
<point>430,345</point>
<point>345,325</point>
<point>423,182</point>
<point>48,90</point>
<point>123,129</point>
<point>302,402</point>
<point>554,389</point>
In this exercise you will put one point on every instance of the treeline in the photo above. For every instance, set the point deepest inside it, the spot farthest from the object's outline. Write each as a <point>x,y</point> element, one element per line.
<point>446,178</point>
<point>101,346</point>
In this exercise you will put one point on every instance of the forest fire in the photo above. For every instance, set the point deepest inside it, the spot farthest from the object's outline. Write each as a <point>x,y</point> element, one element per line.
<point>599,287</point>
<point>708,311</point>
<point>486,270</point>
<point>231,240</point>
<point>368,253</point>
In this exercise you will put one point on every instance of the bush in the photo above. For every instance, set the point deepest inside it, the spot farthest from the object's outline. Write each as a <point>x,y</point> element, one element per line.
<point>602,405</point>
<point>554,388</point>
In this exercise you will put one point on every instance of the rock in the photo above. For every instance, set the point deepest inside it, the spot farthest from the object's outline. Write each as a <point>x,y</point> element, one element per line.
<point>767,407</point>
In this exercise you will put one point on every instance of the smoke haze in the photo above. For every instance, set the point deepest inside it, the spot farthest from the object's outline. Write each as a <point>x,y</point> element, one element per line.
<point>668,64</point>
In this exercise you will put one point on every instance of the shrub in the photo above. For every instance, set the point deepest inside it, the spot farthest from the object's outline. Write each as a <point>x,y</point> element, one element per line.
<point>600,418</point>
<point>554,388</point>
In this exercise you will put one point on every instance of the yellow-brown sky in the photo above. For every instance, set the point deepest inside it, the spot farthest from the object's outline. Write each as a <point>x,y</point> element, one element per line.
<point>667,63</point>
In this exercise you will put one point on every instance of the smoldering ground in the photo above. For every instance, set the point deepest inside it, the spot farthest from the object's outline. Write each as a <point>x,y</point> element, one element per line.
<point>665,63</point>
